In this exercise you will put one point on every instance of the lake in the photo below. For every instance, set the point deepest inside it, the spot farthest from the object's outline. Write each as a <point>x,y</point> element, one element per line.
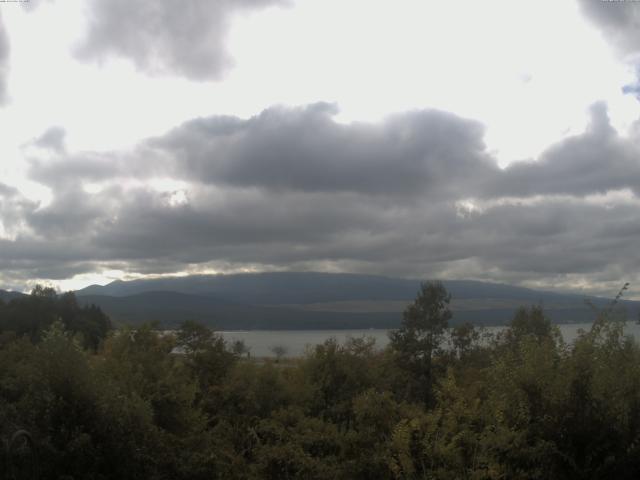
<point>296,341</point>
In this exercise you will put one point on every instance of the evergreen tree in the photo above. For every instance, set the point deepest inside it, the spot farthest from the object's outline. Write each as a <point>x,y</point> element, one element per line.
<point>419,338</point>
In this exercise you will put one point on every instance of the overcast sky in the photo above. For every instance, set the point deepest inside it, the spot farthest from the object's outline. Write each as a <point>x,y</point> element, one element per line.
<point>493,140</point>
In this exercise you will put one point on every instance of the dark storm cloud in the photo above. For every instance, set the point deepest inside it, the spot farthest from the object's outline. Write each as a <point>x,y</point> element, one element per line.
<point>28,258</point>
<point>595,162</point>
<point>303,149</point>
<point>71,210</point>
<point>552,236</point>
<point>414,155</point>
<point>4,61</point>
<point>619,22</point>
<point>228,226</point>
<point>165,36</point>
<point>415,195</point>
<point>555,235</point>
<point>144,231</point>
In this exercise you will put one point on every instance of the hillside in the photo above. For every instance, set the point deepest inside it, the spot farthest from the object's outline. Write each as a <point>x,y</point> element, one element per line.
<point>6,296</point>
<point>317,301</point>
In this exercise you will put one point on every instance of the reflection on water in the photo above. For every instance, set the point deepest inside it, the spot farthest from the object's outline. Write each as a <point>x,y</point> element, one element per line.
<point>295,342</point>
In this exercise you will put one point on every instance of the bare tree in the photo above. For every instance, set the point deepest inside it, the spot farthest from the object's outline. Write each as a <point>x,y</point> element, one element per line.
<point>279,351</point>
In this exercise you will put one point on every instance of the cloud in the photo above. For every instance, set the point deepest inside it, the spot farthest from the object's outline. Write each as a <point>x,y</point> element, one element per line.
<point>14,209</point>
<point>595,162</point>
<point>142,230</point>
<point>163,36</point>
<point>416,195</point>
<point>52,139</point>
<point>420,154</point>
<point>619,22</point>
<point>4,61</point>
<point>304,149</point>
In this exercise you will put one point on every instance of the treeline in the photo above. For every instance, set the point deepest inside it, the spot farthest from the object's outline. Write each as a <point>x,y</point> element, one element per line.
<point>30,316</point>
<point>138,404</point>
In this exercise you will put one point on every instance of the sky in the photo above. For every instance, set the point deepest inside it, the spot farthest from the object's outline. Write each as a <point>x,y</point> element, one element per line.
<point>495,140</point>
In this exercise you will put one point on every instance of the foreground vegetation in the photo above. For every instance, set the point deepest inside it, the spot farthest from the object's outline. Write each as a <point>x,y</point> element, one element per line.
<point>136,404</point>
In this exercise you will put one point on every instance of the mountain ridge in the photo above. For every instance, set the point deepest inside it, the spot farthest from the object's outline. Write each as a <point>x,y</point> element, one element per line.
<point>7,295</point>
<point>310,283</point>
<point>316,300</point>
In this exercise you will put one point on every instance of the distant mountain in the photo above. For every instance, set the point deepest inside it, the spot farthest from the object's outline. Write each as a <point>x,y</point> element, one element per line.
<point>276,288</point>
<point>297,300</point>
<point>270,288</point>
<point>6,296</point>
<point>171,308</point>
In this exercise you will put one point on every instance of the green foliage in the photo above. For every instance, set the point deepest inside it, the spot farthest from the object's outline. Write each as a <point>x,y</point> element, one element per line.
<point>530,322</point>
<point>140,403</point>
<point>419,339</point>
<point>464,338</point>
<point>336,374</point>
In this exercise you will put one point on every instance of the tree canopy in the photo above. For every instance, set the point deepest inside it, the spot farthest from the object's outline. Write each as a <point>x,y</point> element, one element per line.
<point>436,403</point>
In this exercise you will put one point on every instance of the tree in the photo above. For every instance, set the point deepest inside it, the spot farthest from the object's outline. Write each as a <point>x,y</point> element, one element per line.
<point>205,354</point>
<point>279,351</point>
<point>240,348</point>
<point>32,315</point>
<point>530,322</point>
<point>419,337</point>
<point>463,338</point>
<point>337,373</point>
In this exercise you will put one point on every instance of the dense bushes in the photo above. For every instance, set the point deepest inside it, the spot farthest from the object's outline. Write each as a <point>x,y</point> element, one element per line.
<point>145,405</point>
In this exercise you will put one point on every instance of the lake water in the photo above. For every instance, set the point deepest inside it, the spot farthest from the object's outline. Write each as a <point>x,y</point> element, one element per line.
<point>296,342</point>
